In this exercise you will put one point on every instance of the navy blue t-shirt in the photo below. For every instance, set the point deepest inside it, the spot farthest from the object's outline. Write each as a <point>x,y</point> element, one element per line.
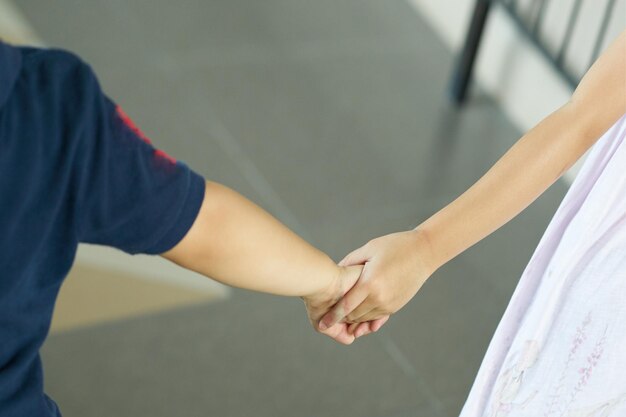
<point>73,168</point>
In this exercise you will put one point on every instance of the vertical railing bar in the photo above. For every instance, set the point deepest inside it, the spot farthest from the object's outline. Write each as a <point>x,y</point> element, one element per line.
<point>570,78</point>
<point>531,11</point>
<point>539,17</point>
<point>465,65</point>
<point>532,25</point>
<point>602,33</point>
<point>532,7</point>
<point>568,32</point>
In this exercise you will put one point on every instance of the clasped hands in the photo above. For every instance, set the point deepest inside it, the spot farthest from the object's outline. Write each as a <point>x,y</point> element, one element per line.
<point>373,282</point>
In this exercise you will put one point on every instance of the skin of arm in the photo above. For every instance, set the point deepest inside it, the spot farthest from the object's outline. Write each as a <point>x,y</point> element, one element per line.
<point>397,265</point>
<point>239,244</point>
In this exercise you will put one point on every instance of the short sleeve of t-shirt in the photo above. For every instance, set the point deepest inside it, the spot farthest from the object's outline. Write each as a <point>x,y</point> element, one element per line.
<point>129,194</point>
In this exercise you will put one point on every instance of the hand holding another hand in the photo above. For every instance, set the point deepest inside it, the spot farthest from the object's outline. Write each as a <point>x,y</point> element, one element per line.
<point>319,304</point>
<point>395,267</point>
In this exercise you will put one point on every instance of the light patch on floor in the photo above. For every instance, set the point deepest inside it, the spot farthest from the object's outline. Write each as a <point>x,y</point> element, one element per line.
<point>92,296</point>
<point>13,26</point>
<point>154,268</point>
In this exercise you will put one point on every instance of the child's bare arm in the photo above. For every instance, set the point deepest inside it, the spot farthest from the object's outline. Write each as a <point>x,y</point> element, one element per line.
<point>239,244</point>
<point>536,161</point>
<point>397,265</point>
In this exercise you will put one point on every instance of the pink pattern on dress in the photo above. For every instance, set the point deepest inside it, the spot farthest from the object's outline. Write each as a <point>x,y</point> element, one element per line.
<point>510,382</point>
<point>585,372</point>
<point>560,403</point>
<point>579,338</point>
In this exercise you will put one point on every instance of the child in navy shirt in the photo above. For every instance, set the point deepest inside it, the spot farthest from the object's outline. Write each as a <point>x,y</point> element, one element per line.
<point>74,168</point>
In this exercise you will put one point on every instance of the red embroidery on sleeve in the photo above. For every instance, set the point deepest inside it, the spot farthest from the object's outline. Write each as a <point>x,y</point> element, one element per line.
<point>160,154</point>
<point>132,126</point>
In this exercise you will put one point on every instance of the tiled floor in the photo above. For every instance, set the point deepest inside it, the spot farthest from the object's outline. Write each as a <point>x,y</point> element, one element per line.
<point>333,115</point>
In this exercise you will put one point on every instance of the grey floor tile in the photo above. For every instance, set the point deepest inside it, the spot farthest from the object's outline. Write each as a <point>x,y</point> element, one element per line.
<point>506,253</point>
<point>252,355</point>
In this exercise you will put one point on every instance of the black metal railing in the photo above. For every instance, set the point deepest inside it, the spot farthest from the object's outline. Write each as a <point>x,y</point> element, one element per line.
<point>530,22</point>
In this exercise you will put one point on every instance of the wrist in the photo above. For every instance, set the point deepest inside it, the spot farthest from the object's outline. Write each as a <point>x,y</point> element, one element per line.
<point>328,286</point>
<point>424,244</point>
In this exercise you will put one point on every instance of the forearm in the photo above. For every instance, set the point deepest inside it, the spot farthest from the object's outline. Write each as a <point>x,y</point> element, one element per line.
<point>239,244</point>
<point>534,163</point>
<point>398,264</point>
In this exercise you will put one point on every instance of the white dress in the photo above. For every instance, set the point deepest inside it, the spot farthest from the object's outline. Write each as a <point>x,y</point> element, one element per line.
<point>560,348</point>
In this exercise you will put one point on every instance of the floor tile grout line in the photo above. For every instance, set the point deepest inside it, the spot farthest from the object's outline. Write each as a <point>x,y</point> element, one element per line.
<point>400,359</point>
<point>222,136</point>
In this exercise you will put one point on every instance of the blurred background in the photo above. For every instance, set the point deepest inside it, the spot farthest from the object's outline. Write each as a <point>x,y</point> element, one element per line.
<point>344,119</point>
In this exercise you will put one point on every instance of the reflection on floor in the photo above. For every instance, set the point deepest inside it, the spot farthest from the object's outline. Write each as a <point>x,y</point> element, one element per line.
<point>332,115</point>
<point>92,296</point>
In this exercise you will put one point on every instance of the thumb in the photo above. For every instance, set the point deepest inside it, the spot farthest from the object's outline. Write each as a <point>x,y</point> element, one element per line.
<point>357,257</point>
<point>350,301</point>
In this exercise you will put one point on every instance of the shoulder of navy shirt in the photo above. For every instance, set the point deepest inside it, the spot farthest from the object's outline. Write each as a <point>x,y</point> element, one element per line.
<point>73,168</point>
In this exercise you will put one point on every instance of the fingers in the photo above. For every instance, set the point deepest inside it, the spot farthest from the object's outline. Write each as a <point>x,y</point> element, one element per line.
<point>345,306</point>
<point>372,315</point>
<point>377,324</point>
<point>364,308</point>
<point>339,333</point>
<point>347,334</point>
<point>352,327</point>
<point>356,257</point>
<point>368,327</point>
<point>361,330</point>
